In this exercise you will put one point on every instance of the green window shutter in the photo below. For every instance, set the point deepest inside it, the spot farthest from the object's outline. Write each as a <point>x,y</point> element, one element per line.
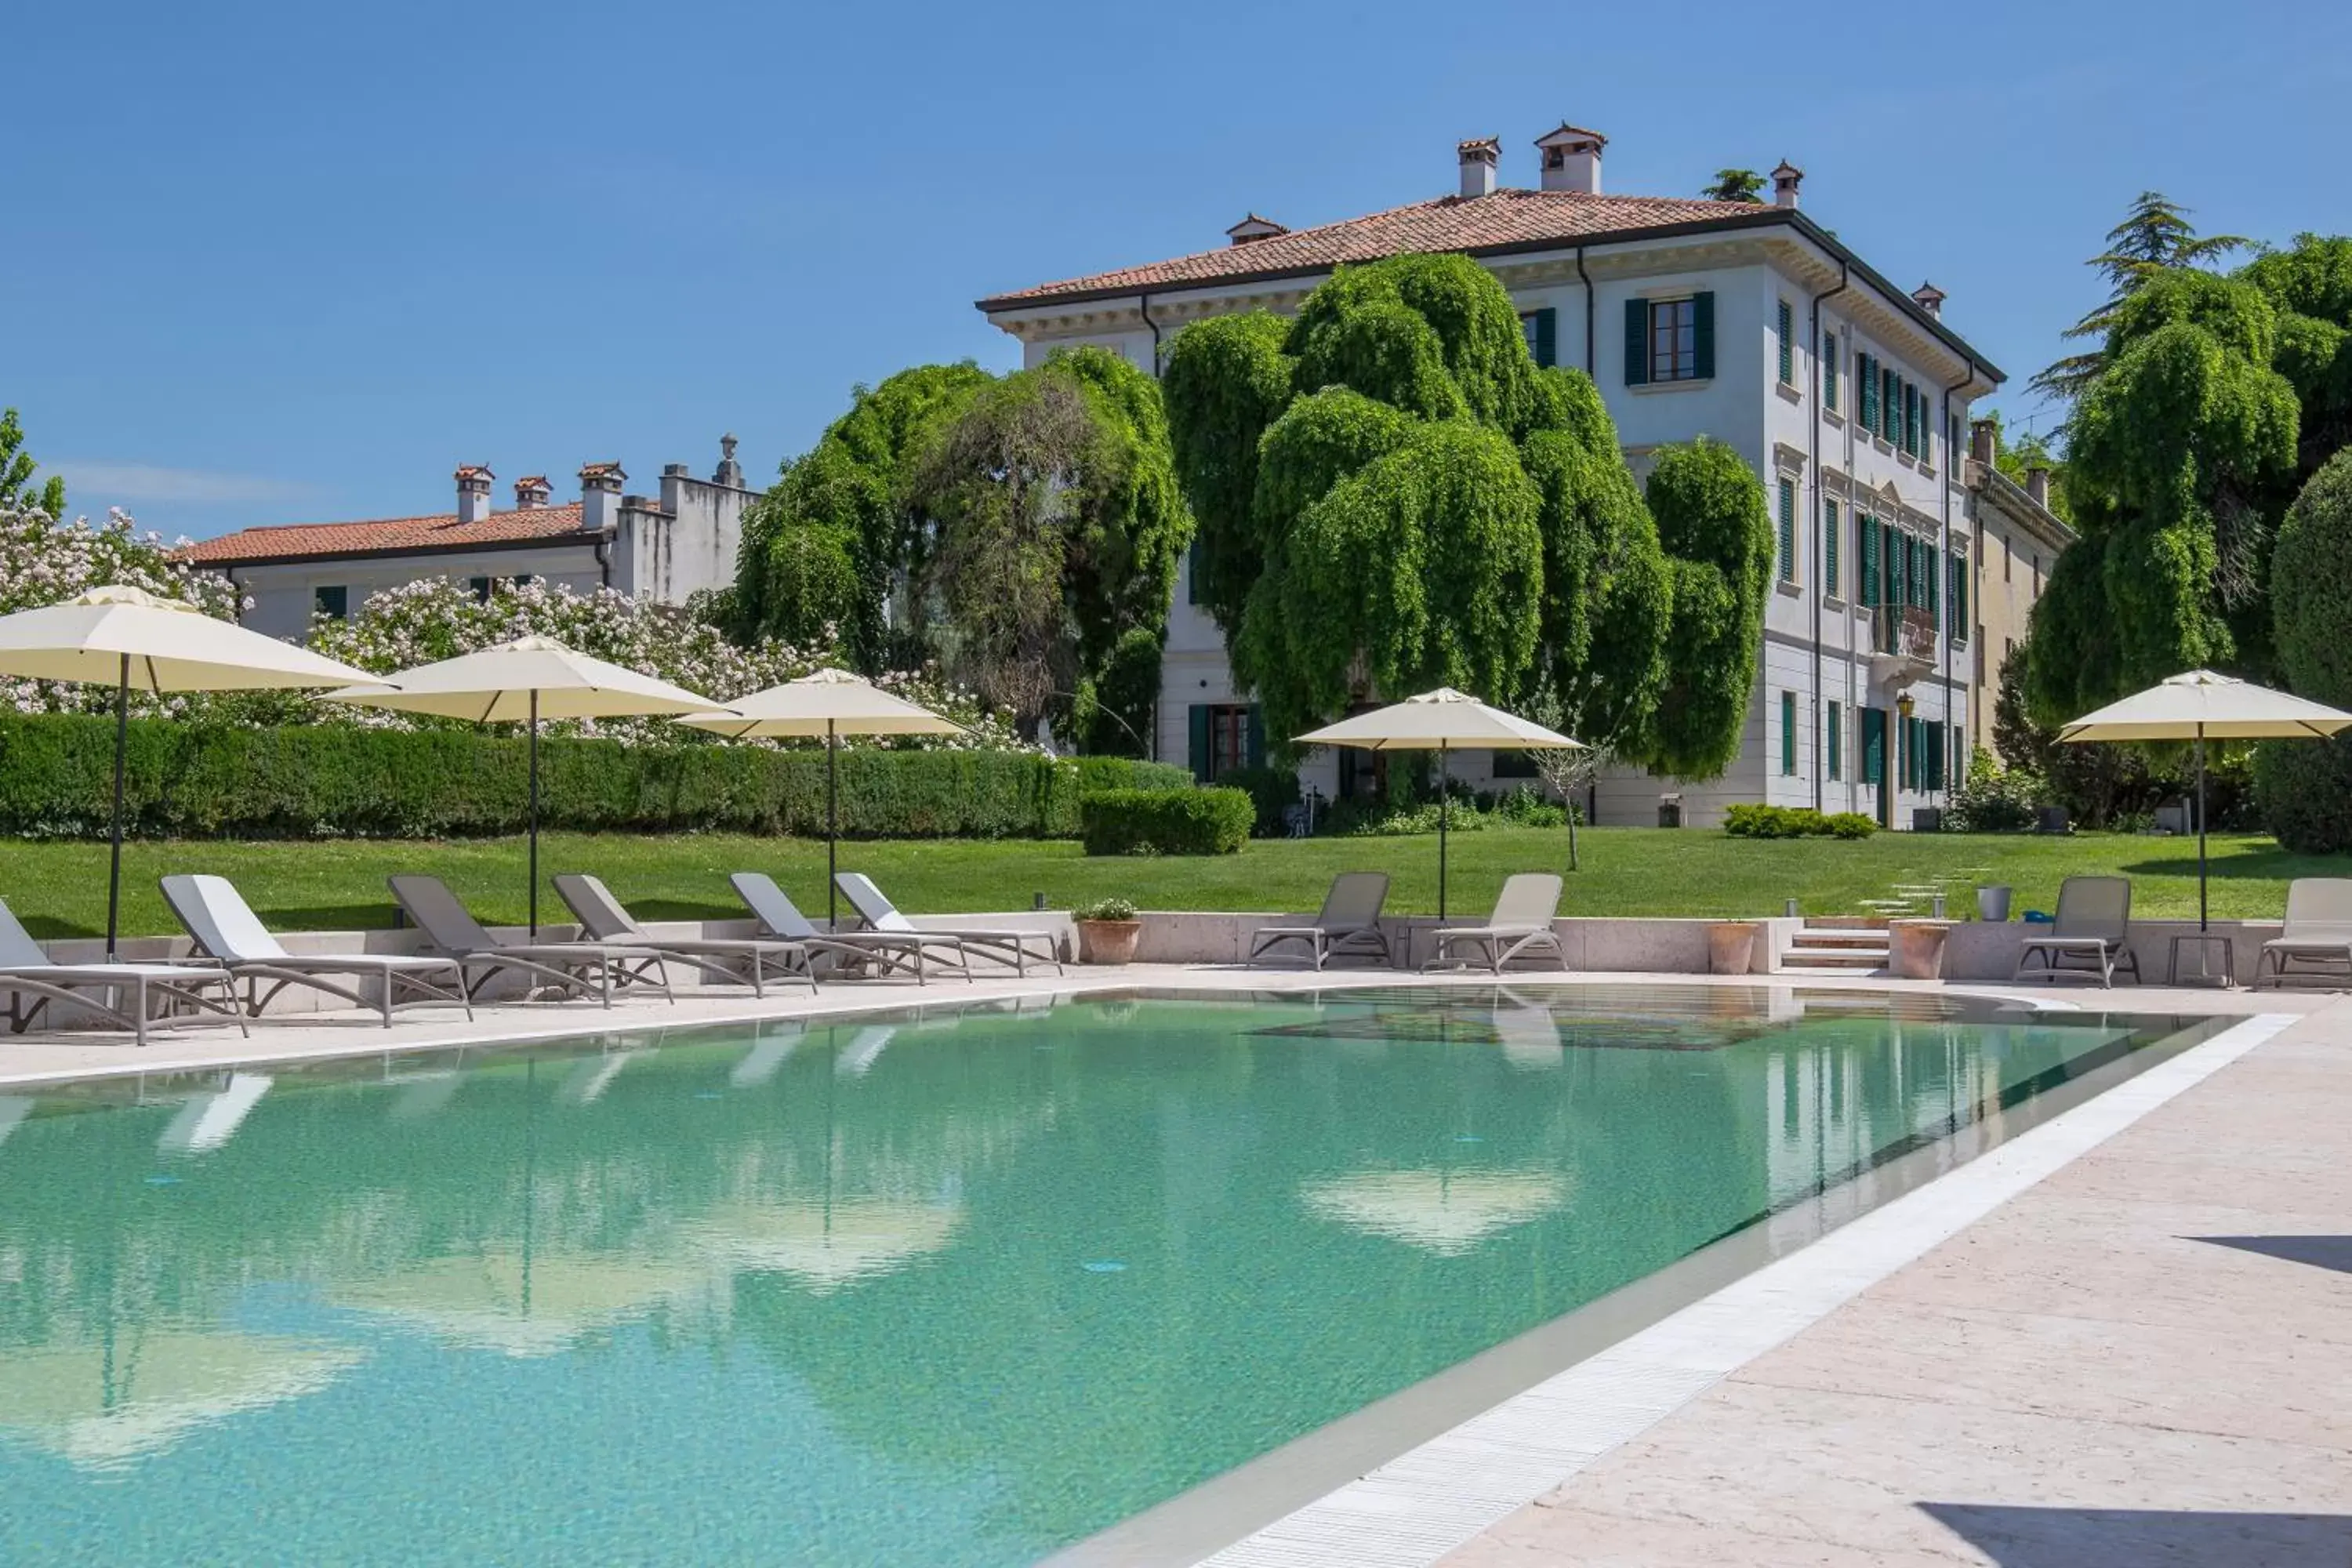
<point>1703,335</point>
<point>1256,753</point>
<point>1873,745</point>
<point>1870,568</point>
<point>1828,547</point>
<point>1198,741</point>
<point>1890,405</point>
<point>1829,352</point>
<point>1932,581</point>
<point>1546,337</point>
<point>1913,405</point>
<point>1637,342</point>
<point>1788,345</point>
<point>1837,744</point>
<point>1866,392</point>
<point>1788,530</point>
<point>1960,570</point>
<point>1787,734</point>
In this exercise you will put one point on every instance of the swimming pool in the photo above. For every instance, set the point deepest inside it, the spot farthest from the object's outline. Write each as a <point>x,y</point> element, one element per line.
<point>957,1286</point>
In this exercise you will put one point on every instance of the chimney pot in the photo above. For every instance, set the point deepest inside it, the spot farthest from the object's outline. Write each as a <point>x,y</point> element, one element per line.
<point>1252,228</point>
<point>1930,299</point>
<point>1478,158</point>
<point>1571,159</point>
<point>1983,442</point>
<point>600,495</point>
<point>730,472</point>
<point>473,492</point>
<point>2037,485</point>
<point>1785,180</point>
<point>530,491</point>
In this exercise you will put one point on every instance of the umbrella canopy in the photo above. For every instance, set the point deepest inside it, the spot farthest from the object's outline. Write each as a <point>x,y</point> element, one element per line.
<point>1438,721</point>
<point>2201,706</point>
<point>123,637</point>
<point>831,703</point>
<point>523,681</point>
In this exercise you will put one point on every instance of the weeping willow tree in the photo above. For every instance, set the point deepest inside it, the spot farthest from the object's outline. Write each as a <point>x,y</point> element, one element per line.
<point>1391,495</point>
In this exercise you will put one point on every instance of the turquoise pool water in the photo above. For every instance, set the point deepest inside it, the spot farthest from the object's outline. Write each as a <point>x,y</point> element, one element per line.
<point>954,1288</point>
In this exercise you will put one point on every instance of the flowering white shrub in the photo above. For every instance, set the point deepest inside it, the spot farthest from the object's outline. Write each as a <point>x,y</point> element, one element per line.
<point>43,561</point>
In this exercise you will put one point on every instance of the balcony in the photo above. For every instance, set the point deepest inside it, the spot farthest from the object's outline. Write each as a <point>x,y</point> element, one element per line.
<point>1902,645</point>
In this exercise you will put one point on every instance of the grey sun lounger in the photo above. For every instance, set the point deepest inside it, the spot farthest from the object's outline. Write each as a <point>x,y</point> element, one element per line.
<point>736,960</point>
<point>26,972</point>
<point>2317,934</point>
<point>1004,944</point>
<point>1348,927</point>
<point>583,968</point>
<point>2092,935</point>
<point>886,953</point>
<point>1521,924</point>
<point>226,929</point>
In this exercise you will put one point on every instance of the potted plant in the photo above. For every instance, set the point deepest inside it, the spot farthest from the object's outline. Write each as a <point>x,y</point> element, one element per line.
<point>1107,931</point>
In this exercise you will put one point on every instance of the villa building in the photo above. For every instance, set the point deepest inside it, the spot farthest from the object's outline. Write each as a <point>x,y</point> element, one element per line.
<point>1745,321</point>
<point>664,547</point>
<point>2014,538</point>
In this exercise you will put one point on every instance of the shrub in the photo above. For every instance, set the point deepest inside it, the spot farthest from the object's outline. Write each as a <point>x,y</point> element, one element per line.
<point>1524,807</point>
<point>1099,773</point>
<point>1851,824</point>
<point>1104,909</point>
<point>2304,791</point>
<point>344,780</point>
<point>1995,799</point>
<point>1272,791</point>
<point>1165,822</point>
<point>2304,787</point>
<point>1752,820</point>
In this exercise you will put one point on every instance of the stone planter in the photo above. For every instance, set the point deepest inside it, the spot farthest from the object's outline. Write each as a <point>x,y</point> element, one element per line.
<point>1992,904</point>
<point>1731,947</point>
<point>1915,949</point>
<point>1108,942</point>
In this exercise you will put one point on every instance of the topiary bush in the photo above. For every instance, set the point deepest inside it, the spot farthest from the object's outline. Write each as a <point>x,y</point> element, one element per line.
<point>1751,820</point>
<point>1165,822</point>
<point>2304,788</point>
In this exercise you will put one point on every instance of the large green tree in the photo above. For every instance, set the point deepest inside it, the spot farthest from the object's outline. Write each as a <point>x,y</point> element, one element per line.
<point>1391,495</point>
<point>2212,398</point>
<point>2305,786</point>
<point>2154,236</point>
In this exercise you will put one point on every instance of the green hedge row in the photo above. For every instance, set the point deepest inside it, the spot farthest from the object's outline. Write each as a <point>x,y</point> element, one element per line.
<point>1750,820</point>
<point>339,780</point>
<point>1165,822</point>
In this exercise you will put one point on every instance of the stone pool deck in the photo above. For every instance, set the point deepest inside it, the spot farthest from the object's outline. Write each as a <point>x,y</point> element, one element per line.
<point>2146,1357</point>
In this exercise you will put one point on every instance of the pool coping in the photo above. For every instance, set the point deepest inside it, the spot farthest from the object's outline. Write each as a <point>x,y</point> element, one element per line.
<point>1620,1365</point>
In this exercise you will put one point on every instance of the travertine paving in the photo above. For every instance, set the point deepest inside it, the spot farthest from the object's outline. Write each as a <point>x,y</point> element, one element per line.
<point>2145,1359</point>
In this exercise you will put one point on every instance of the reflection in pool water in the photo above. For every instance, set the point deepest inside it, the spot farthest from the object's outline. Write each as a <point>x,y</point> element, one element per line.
<point>956,1289</point>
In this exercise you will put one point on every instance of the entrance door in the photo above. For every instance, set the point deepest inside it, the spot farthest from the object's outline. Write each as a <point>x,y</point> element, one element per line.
<point>1875,770</point>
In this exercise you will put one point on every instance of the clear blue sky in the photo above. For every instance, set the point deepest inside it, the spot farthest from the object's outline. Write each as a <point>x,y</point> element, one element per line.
<point>273,262</point>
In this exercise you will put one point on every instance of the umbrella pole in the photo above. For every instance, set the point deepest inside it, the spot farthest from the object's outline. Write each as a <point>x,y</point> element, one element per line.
<point>534,811</point>
<point>2201,827</point>
<point>114,866</point>
<point>1444,814</point>
<point>832,827</point>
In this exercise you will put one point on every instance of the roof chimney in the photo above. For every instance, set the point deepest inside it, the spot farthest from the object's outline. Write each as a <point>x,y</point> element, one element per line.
<point>2037,486</point>
<point>730,472</point>
<point>1930,299</point>
<point>530,491</point>
<point>473,492</point>
<point>1571,159</point>
<point>600,495</point>
<point>1478,158</point>
<point>1252,228</point>
<point>1984,441</point>
<point>1785,180</point>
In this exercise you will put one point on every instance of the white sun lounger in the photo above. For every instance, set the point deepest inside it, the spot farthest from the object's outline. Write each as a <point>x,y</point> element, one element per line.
<point>732,959</point>
<point>1348,927</point>
<point>1522,923</point>
<point>1002,943</point>
<point>225,928</point>
<point>583,968</point>
<point>2317,934</point>
<point>26,972</point>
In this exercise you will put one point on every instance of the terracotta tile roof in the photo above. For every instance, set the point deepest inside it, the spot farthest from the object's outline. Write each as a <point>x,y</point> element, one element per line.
<point>1504,218</point>
<point>300,540</point>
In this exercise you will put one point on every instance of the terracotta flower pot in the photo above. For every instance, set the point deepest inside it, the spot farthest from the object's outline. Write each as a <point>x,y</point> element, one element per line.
<point>1108,942</point>
<point>1916,948</point>
<point>1731,947</point>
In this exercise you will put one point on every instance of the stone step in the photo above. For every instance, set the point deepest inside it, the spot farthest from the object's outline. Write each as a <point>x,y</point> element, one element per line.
<point>1856,961</point>
<point>1817,940</point>
<point>1845,922</point>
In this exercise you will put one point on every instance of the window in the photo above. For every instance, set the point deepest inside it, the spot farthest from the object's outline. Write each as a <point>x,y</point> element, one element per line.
<point>1830,372</point>
<point>480,588</point>
<point>1837,742</point>
<point>1787,734</point>
<point>1980,656</point>
<point>1874,590</point>
<point>1957,569</point>
<point>1829,548</point>
<point>1890,405</point>
<point>2007,555</point>
<point>1225,736</point>
<point>1909,434</point>
<point>1952,434</point>
<point>2037,574</point>
<point>1541,329</point>
<point>1786,321</point>
<point>1514,765</point>
<point>333,601</point>
<point>1787,528</point>
<point>1670,340</point>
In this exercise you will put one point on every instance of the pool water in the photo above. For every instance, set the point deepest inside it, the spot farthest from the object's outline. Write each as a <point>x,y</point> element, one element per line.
<point>955,1288</point>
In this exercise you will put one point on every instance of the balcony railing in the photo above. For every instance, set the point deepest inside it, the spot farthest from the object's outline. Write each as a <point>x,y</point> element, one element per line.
<point>1905,631</point>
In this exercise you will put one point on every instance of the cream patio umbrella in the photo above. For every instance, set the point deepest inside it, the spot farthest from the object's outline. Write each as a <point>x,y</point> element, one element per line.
<point>127,638</point>
<point>2201,706</point>
<point>524,681</point>
<point>1438,720</point>
<point>831,703</point>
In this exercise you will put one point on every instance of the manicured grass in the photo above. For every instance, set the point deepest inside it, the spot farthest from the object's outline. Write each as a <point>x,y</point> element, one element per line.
<point>60,890</point>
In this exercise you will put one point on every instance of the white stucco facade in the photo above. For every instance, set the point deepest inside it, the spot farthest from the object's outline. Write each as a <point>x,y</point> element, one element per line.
<point>1893,686</point>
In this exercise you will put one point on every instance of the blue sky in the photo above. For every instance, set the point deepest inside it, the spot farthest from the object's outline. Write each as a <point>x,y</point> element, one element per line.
<point>276,263</point>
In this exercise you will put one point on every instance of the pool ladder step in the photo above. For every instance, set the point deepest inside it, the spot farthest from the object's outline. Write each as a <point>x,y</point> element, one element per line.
<point>1858,948</point>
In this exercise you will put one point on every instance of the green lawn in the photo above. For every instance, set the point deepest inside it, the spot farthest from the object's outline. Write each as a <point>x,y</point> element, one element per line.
<point>60,890</point>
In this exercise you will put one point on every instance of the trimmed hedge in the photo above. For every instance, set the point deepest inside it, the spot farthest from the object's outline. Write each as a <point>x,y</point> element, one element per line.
<point>337,780</point>
<point>1751,820</point>
<point>1165,822</point>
